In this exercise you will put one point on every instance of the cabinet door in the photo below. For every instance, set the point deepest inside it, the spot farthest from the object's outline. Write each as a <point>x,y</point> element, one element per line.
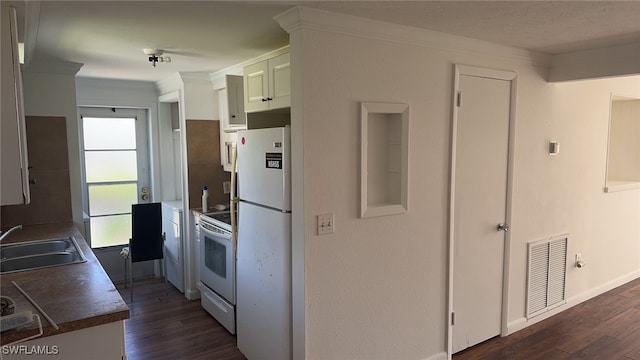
<point>223,107</point>
<point>15,187</point>
<point>236,117</point>
<point>279,82</point>
<point>256,87</point>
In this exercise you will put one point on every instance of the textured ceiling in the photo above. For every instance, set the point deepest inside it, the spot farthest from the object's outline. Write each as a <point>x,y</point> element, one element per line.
<point>546,26</point>
<point>206,36</point>
<point>199,36</point>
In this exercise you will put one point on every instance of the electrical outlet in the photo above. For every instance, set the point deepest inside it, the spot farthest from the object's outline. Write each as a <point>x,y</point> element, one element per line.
<point>326,224</point>
<point>226,187</point>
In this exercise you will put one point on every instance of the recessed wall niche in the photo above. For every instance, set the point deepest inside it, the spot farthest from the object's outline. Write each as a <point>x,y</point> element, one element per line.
<point>623,160</point>
<point>384,152</point>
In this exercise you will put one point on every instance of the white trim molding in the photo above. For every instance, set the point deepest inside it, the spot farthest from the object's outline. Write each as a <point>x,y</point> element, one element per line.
<point>522,323</point>
<point>505,75</point>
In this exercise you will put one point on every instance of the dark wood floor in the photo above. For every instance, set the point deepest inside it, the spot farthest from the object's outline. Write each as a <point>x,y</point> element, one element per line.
<point>163,324</point>
<point>606,327</point>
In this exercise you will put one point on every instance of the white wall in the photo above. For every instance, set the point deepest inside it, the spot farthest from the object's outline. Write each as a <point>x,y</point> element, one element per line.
<point>54,94</point>
<point>565,193</point>
<point>376,288</point>
<point>200,101</point>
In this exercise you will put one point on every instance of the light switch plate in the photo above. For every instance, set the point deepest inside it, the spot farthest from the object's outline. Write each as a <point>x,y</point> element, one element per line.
<point>226,187</point>
<point>326,224</point>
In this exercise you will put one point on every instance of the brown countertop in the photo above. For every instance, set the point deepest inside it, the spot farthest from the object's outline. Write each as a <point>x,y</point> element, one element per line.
<point>75,296</point>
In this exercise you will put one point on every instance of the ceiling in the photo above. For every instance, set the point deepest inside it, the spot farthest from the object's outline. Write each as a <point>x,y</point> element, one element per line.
<point>108,37</point>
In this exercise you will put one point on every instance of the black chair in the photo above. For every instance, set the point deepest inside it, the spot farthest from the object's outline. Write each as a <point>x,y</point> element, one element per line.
<point>147,239</point>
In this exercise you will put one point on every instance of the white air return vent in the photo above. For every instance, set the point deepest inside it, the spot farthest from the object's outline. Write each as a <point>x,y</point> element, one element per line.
<point>547,274</point>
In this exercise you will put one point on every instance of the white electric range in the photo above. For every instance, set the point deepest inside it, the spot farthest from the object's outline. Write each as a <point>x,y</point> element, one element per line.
<point>217,266</point>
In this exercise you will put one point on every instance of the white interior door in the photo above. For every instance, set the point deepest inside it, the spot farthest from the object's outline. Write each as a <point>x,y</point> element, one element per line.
<point>479,199</point>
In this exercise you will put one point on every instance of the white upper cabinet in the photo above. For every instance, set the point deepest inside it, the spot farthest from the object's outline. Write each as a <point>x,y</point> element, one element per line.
<point>232,116</point>
<point>231,104</point>
<point>267,84</point>
<point>14,172</point>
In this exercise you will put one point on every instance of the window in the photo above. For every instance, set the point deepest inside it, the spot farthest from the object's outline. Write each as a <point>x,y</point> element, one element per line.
<point>112,163</point>
<point>623,162</point>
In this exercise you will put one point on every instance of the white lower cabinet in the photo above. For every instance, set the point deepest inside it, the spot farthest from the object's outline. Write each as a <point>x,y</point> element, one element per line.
<point>174,247</point>
<point>103,342</point>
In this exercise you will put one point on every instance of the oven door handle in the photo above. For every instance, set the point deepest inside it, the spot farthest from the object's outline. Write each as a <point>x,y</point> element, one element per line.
<point>210,228</point>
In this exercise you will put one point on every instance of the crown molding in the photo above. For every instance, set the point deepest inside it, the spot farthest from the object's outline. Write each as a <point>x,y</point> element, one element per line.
<point>194,76</point>
<point>305,18</point>
<point>52,67</point>
<point>31,27</point>
<point>169,84</point>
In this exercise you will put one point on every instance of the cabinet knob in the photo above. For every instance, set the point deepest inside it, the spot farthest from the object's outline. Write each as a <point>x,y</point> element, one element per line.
<point>265,100</point>
<point>233,116</point>
<point>269,99</point>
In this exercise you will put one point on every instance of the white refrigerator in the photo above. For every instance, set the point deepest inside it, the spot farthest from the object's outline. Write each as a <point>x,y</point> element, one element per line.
<point>263,309</point>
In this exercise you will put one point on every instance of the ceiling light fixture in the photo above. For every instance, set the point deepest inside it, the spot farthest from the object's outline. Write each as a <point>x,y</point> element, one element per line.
<point>155,56</point>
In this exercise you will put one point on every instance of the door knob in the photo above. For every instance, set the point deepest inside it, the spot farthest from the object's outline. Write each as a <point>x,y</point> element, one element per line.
<point>502,227</point>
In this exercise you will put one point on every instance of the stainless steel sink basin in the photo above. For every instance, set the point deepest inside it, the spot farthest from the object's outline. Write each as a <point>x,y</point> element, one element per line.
<point>33,248</point>
<point>39,254</point>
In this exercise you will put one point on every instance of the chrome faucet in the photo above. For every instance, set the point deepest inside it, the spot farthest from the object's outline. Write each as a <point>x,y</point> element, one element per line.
<point>6,233</point>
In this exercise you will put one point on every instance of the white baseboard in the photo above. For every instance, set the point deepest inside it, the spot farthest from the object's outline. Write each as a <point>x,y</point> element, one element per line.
<point>521,323</point>
<point>192,294</point>
<point>438,356</point>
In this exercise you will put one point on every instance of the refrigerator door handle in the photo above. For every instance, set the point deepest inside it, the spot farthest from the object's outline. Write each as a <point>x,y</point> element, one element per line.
<point>233,202</point>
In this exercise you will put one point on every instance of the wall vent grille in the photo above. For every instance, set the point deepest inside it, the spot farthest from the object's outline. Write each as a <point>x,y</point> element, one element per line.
<point>547,270</point>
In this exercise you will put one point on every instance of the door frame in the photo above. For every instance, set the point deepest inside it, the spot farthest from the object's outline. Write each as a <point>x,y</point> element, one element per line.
<point>460,70</point>
<point>143,130</point>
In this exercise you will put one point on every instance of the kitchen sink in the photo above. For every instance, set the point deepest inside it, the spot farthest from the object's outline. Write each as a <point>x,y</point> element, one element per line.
<point>33,248</point>
<point>39,254</point>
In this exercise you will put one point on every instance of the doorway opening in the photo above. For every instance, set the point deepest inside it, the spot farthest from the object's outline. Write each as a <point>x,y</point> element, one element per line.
<point>480,204</point>
<point>116,171</point>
